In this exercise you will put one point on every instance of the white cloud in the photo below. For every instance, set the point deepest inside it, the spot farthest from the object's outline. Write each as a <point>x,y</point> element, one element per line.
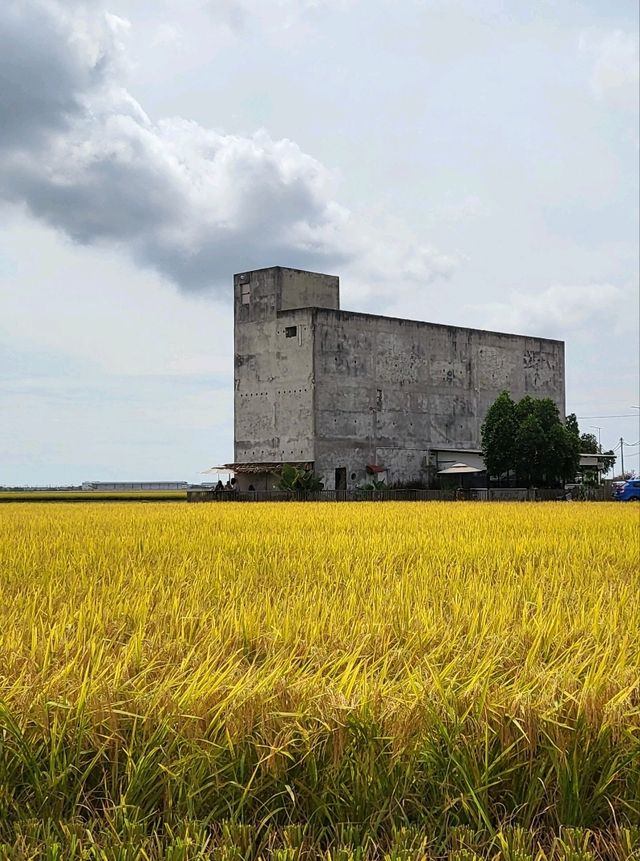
<point>616,65</point>
<point>559,311</point>
<point>389,272</point>
<point>76,304</point>
<point>193,203</point>
<point>240,15</point>
<point>168,35</point>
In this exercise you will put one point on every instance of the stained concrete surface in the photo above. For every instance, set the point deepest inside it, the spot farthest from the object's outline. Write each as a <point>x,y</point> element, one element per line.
<point>344,390</point>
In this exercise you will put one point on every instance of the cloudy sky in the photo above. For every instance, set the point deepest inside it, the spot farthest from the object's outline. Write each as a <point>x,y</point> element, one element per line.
<point>471,162</point>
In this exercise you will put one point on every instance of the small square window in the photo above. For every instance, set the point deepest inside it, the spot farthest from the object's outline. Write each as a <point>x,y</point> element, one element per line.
<point>245,294</point>
<point>290,331</point>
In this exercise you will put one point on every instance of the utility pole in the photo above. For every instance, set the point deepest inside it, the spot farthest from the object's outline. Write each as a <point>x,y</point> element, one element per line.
<point>621,456</point>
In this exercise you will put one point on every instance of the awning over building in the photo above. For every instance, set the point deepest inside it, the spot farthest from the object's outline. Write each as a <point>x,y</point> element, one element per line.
<point>375,468</point>
<point>458,469</point>
<point>261,468</point>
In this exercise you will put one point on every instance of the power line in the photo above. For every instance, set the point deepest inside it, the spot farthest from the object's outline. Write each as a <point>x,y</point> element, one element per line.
<point>619,446</point>
<point>621,416</point>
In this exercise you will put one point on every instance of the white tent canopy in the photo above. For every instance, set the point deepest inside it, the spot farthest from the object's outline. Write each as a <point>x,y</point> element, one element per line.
<point>458,469</point>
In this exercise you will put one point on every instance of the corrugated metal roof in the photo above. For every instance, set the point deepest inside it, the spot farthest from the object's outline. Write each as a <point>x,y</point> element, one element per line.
<point>257,468</point>
<point>454,448</point>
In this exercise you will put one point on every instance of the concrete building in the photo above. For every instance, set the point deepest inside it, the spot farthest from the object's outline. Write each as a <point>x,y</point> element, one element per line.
<point>355,395</point>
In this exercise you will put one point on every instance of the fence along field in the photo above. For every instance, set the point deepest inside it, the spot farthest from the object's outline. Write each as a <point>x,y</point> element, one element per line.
<point>352,681</point>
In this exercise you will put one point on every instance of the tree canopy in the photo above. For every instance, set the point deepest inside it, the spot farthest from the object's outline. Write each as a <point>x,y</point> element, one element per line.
<point>529,439</point>
<point>498,435</point>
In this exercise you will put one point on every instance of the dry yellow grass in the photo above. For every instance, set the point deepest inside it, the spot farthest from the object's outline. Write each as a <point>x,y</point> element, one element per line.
<point>452,656</point>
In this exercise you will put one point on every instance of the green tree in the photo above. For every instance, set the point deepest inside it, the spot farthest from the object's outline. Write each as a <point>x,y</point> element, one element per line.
<point>589,444</point>
<point>528,445</point>
<point>530,438</point>
<point>547,453</point>
<point>498,435</point>
<point>571,423</point>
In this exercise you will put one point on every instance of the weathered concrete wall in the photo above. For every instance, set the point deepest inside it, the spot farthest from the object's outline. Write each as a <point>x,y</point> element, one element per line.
<point>300,289</point>
<point>343,390</point>
<point>274,363</point>
<point>389,390</point>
